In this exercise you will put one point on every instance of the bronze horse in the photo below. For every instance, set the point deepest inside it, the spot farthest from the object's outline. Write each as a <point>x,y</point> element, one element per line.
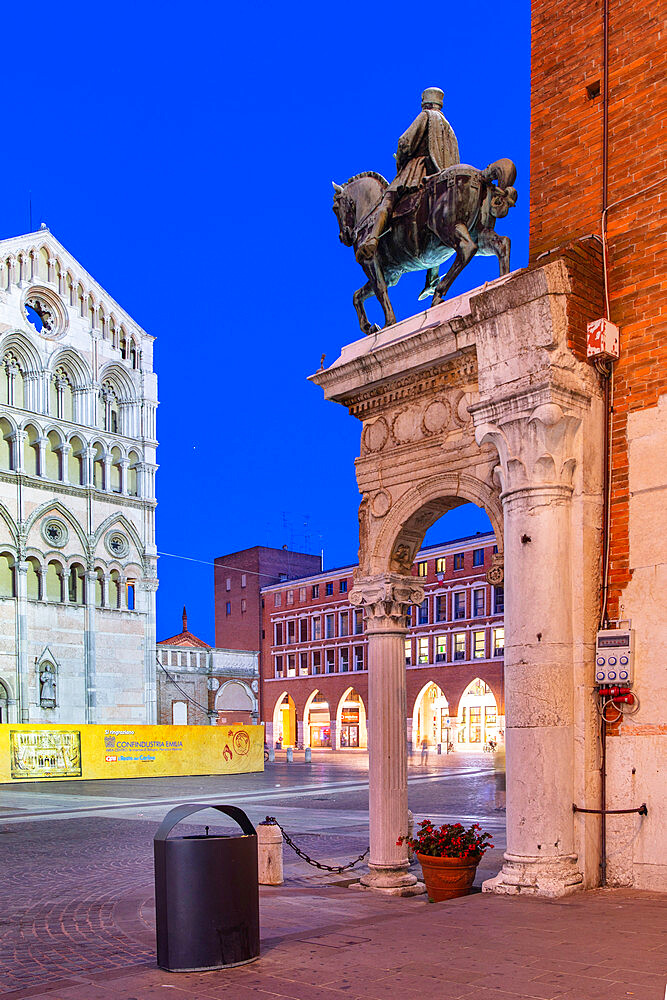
<point>453,213</point>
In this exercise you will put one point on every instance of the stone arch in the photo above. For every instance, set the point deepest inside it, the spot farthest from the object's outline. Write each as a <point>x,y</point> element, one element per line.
<point>236,701</point>
<point>476,732</point>
<point>5,699</point>
<point>23,350</point>
<point>406,523</point>
<point>55,507</point>
<point>120,380</point>
<point>121,522</point>
<point>284,720</point>
<point>315,732</point>
<point>74,365</point>
<point>417,715</point>
<point>8,520</point>
<point>345,738</point>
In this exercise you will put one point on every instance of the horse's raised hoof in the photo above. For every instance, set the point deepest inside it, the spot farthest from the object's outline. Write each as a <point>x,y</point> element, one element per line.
<point>426,292</point>
<point>375,328</point>
<point>367,250</point>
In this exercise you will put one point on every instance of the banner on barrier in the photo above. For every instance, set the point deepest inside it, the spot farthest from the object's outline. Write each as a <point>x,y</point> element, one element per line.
<point>42,752</point>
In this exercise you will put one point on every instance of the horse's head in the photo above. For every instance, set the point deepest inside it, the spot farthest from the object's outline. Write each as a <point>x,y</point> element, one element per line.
<point>345,211</point>
<point>502,199</point>
<point>354,200</point>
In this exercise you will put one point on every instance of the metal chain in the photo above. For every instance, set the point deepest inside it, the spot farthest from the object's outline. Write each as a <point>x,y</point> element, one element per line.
<point>337,869</point>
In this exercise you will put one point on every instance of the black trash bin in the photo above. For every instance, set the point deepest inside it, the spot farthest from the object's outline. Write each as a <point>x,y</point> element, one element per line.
<point>206,895</point>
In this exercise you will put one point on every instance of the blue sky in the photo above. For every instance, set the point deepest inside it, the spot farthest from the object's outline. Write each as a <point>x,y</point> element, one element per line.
<point>184,154</point>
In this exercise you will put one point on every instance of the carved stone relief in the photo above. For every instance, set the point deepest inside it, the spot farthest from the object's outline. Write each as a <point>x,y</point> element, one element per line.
<point>381,503</point>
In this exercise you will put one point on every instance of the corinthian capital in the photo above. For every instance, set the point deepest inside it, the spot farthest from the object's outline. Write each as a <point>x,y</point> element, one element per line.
<point>386,599</point>
<point>535,435</point>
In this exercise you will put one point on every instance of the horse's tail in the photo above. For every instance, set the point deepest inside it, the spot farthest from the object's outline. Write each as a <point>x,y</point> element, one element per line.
<point>503,171</point>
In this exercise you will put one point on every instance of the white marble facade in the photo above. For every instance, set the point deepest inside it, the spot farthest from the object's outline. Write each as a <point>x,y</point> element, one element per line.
<point>78,399</point>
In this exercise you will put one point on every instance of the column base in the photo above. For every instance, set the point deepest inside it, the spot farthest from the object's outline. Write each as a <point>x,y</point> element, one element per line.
<point>535,876</point>
<point>391,881</point>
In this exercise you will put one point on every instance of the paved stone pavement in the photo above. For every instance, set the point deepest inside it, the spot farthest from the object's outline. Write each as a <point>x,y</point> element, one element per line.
<point>324,942</point>
<point>79,922</point>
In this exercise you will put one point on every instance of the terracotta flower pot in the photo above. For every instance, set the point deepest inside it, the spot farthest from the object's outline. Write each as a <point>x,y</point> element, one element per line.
<point>448,878</point>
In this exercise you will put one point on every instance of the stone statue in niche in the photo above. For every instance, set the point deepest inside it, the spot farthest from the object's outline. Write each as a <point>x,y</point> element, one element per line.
<point>435,208</point>
<point>47,685</point>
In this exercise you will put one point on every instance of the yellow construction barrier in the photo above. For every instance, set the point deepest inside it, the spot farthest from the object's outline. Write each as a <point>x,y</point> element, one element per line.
<point>41,752</point>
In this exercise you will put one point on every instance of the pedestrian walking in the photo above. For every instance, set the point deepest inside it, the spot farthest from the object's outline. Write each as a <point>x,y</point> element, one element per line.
<point>424,756</point>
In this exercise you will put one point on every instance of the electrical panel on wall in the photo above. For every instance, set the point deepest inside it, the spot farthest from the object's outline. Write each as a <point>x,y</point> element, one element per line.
<point>615,657</point>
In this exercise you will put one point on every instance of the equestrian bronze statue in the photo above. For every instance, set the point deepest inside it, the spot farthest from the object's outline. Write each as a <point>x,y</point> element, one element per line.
<point>435,208</point>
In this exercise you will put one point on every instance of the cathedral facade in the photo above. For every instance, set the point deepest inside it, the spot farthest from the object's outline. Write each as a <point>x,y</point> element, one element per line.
<point>78,399</point>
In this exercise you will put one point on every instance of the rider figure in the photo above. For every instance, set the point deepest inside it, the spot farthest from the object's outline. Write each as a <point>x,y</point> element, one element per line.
<point>426,147</point>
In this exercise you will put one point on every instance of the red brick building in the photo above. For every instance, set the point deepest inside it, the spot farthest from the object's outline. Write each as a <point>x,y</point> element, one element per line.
<point>313,657</point>
<point>597,166</point>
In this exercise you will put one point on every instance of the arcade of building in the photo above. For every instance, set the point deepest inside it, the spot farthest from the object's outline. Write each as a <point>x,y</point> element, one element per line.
<point>314,641</point>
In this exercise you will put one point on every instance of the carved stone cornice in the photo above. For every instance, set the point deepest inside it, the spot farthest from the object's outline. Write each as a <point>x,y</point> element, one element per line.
<point>386,600</point>
<point>454,373</point>
<point>534,434</point>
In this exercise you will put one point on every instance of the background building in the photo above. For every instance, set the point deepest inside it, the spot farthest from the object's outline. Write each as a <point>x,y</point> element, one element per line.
<point>198,684</point>
<point>237,582</point>
<point>78,399</point>
<point>314,667</point>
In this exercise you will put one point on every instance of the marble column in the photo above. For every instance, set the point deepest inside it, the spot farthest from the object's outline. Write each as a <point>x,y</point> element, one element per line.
<point>536,442</point>
<point>386,600</point>
<point>89,648</point>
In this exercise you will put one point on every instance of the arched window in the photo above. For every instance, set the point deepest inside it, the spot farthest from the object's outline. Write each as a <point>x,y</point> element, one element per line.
<point>111,417</point>
<point>53,458</point>
<point>61,396</point>
<point>31,452</point>
<point>34,579</point>
<point>115,470</point>
<point>12,377</point>
<point>132,475</point>
<point>99,588</point>
<point>6,449</point>
<point>133,354</point>
<point>7,575</point>
<point>54,582</point>
<point>98,468</point>
<point>77,590</point>
<point>114,589</point>
<point>77,462</point>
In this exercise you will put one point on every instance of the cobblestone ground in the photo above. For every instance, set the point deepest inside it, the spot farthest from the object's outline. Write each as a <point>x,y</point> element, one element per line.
<point>78,896</point>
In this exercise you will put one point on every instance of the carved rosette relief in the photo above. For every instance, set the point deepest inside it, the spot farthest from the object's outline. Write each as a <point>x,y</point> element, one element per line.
<point>386,600</point>
<point>375,436</point>
<point>495,574</point>
<point>381,503</point>
<point>443,414</point>
<point>536,445</point>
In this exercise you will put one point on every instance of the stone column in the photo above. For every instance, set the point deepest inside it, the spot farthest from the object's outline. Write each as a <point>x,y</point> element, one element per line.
<point>535,437</point>
<point>42,444</point>
<point>89,648</point>
<point>65,450</point>
<point>149,587</point>
<point>22,685</point>
<point>386,600</point>
<point>333,731</point>
<point>299,732</point>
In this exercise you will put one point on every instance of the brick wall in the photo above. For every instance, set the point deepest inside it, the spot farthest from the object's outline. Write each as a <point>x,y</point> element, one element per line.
<point>566,194</point>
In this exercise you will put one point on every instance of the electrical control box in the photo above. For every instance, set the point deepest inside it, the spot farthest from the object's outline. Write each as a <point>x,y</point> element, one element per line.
<point>615,657</point>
